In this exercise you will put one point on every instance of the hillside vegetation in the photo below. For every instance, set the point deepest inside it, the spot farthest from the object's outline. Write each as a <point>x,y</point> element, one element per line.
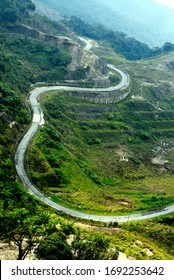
<point>99,157</point>
<point>79,157</point>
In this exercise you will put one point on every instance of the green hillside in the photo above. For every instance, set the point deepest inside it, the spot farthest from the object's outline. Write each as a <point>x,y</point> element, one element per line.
<point>92,156</point>
<point>101,157</point>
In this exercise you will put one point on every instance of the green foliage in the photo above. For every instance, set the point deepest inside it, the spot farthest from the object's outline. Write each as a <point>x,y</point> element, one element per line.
<point>38,52</point>
<point>22,62</point>
<point>11,104</point>
<point>94,247</point>
<point>49,172</point>
<point>11,10</point>
<point>42,61</point>
<point>22,220</point>
<point>80,73</point>
<point>82,247</point>
<point>114,79</point>
<point>100,161</point>
<point>11,69</point>
<point>23,228</point>
<point>74,159</point>
<point>12,194</point>
<point>167,220</point>
<point>54,247</point>
<point>160,232</point>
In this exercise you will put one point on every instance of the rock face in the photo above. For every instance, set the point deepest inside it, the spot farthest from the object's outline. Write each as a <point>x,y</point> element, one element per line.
<point>164,90</point>
<point>82,60</point>
<point>65,42</point>
<point>100,97</point>
<point>85,59</point>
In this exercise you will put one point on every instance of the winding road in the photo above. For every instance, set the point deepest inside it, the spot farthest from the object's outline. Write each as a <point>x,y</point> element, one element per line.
<point>38,120</point>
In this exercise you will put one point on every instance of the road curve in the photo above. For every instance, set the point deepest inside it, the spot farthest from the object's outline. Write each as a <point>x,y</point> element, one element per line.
<point>37,121</point>
<point>88,43</point>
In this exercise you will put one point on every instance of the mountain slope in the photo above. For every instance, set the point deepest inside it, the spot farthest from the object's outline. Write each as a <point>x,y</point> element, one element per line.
<point>84,128</point>
<point>130,48</point>
<point>146,20</point>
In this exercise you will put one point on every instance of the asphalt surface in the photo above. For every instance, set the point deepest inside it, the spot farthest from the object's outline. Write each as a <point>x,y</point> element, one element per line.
<point>88,43</point>
<point>38,120</point>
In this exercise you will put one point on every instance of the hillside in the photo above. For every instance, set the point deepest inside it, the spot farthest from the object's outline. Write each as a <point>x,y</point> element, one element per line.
<point>147,20</point>
<point>119,150</point>
<point>130,48</point>
<point>93,153</point>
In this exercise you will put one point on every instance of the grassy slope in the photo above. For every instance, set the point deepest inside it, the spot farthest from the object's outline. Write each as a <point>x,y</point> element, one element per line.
<point>88,173</point>
<point>59,149</point>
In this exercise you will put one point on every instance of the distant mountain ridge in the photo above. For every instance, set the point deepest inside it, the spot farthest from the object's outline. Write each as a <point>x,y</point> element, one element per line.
<point>146,20</point>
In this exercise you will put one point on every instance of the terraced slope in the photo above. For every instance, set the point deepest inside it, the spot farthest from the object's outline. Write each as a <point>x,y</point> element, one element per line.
<point>108,158</point>
<point>104,158</point>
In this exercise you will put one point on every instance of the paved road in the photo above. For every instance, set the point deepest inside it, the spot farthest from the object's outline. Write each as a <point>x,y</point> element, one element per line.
<point>88,43</point>
<point>37,121</point>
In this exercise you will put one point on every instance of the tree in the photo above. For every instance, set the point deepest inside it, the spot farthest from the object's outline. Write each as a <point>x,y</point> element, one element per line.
<point>93,247</point>
<point>168,47</point>
<point>54,247</point>
<point>89,247</point>
<point>8,11</point>
<point>23,228</point>
<point>11,10</point>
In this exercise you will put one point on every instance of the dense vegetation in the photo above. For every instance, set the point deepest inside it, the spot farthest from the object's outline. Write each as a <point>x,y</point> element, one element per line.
<point>128,47</point>
<point>12,10</point>
<point>44,62</point>
<point>23,220</point>
<point>22,61</point>
<point>103,147</point>
<point>68,144</point>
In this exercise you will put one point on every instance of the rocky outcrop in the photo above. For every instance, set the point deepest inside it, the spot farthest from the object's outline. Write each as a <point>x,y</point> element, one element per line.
<point>62,41</point>
<point>98,70</point>
<point>164,90</point>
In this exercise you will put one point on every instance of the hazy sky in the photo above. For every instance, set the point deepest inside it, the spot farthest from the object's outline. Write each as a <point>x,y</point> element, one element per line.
<point>169,3</point>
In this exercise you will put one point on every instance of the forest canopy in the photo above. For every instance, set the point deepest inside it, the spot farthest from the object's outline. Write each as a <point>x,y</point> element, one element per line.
<point>11,10</point>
